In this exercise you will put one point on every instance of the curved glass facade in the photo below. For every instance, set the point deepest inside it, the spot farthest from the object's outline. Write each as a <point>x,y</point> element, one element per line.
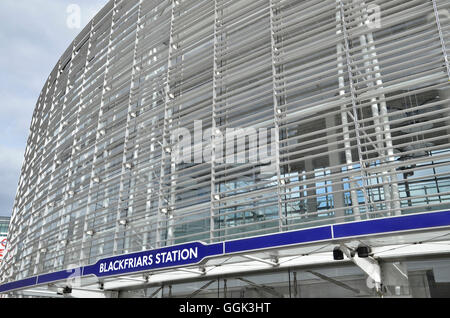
<point>355,95</point>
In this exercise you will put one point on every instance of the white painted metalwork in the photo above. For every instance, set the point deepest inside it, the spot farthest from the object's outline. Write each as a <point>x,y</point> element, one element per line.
<point>360,115</point>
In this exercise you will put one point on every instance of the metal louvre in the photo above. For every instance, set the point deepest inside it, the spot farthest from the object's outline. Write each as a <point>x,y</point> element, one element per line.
<point>358,118</point>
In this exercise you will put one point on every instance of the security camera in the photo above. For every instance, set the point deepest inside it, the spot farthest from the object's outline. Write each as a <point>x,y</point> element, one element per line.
<point>363,251</point>
<point>64,290</point>
<point>338,254</point>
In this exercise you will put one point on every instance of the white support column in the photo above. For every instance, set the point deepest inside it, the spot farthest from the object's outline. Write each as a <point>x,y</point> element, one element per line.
<point>163,204</point>
<point>344,119</point>
<point>386,128</point>
<point>354,113</point>
<point>278,112</point>
<point>375,111</point>
<point>215,198</point>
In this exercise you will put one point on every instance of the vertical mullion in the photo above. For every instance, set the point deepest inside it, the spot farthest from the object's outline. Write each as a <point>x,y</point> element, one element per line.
<point>277,116</point>
<point>395,196</point>
<point>378,145</point>
<point>84,243</point>
<point>127,133</point>
<point>214,133</point>
<point>165,143</point>
<point>354,113</point>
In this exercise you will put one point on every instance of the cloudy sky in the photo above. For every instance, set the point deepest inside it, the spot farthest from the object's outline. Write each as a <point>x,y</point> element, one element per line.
<point>34,34</point>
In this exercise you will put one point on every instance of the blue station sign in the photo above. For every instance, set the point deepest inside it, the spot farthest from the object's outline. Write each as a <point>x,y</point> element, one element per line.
<point>197,252</point>
<point>173,256</point>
